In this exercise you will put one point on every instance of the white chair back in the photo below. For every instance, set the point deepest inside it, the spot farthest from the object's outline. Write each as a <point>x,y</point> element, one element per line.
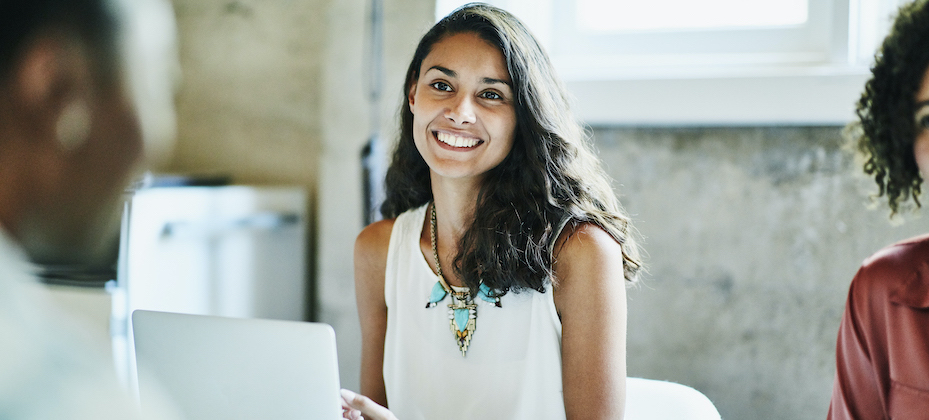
<point>649,399</point>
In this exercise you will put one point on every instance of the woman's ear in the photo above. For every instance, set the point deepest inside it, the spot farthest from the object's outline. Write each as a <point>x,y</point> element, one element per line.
<point>411,97</point>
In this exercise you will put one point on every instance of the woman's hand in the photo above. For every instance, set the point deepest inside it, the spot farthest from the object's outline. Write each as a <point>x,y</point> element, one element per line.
<point>359,407</point>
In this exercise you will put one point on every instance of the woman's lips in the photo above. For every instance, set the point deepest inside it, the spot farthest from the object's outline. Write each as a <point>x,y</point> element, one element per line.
<point>457,141</point>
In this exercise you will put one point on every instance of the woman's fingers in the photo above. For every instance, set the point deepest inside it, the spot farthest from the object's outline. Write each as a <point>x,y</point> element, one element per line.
<point>351,414</point>
<point>352,403</point>
<point>348,412</point>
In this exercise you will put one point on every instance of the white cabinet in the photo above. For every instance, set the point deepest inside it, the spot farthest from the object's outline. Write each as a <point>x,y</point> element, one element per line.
<point>231,251</point>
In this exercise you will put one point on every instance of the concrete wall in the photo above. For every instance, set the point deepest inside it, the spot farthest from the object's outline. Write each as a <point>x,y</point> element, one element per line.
<point>249,103</point>
<point>753,235</point>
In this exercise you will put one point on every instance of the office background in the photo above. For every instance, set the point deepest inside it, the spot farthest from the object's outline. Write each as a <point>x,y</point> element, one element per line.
<point>753,231</point>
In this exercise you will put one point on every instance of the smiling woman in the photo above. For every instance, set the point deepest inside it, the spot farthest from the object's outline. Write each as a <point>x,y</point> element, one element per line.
<point>499,212</point>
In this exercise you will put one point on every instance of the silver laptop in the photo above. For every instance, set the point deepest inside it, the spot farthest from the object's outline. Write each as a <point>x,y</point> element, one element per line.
<point>234,368</point>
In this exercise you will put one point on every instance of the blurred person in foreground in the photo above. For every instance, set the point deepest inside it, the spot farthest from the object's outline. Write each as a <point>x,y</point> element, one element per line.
<point>882,353</point>
<point>70,139</point>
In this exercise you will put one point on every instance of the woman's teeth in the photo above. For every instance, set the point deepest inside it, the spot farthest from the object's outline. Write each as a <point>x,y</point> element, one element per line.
<point>457,141</point>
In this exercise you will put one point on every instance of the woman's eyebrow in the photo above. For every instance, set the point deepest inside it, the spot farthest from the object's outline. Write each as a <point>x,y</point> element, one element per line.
<point>922,104</point>
<point>448,72</point>
<point>452,73</point>
<point>490,81</point>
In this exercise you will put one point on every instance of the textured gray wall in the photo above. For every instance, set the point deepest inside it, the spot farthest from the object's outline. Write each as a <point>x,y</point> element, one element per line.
<point>248,104</point>
<point>753,235</point>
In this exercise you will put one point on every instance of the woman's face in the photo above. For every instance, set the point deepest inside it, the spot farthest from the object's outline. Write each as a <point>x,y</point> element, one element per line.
<point>921,145</point>
<point>463,114</point>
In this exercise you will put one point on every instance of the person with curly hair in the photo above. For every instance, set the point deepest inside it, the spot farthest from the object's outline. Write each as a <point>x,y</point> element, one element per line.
<point>496,288</point>
<point>882,352</point>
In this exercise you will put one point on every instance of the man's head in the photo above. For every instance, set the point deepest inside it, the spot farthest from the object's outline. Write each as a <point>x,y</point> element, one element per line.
<point>69,135</point>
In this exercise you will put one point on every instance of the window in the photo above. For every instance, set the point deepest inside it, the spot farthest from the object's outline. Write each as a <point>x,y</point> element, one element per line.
<point>600,39</point>
<point>636,15</point>
<point>708,62</point>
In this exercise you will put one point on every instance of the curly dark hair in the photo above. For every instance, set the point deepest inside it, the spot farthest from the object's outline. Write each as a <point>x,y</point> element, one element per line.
<point>886,129</point>
<point>549,179</point>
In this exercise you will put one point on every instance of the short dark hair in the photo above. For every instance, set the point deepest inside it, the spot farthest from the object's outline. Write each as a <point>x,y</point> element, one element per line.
<point>91,21</point>
<point>886,129</point>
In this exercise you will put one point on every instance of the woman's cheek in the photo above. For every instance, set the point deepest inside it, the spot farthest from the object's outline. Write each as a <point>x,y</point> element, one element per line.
<point>921,152</point>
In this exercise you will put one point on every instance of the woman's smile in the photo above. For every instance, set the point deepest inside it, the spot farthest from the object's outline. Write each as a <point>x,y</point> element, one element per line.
<point>457,141</point>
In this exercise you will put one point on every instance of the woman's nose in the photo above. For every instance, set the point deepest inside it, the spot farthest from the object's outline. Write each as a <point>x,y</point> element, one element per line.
<point>462,111</point>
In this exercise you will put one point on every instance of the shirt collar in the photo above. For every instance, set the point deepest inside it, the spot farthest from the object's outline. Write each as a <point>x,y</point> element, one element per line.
<point>914,290</point>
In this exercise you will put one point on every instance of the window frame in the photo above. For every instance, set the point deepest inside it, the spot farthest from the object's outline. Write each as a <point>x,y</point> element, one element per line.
<point>815,86</point>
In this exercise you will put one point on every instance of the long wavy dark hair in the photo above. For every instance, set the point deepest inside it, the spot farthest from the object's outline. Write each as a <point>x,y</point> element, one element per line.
<point>886,128</point>
<point>550,177</point>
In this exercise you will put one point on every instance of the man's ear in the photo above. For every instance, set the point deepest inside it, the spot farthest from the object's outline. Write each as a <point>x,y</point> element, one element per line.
<point>36,73</point>
<point>47,73</point>
<point>51,80</point>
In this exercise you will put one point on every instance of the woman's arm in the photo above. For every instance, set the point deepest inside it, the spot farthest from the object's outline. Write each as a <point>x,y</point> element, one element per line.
<point>856,392</point>
<point>590,296</point>
<point>370,265</point>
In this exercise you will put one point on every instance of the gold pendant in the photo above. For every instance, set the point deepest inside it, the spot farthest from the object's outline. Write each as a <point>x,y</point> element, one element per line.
<point>462,317</point>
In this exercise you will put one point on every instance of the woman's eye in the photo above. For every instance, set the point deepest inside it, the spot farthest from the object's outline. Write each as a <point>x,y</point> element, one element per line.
<point>441,86</point>
<point>491,95</point>
<point>922,117</point>
<point>923,121</point>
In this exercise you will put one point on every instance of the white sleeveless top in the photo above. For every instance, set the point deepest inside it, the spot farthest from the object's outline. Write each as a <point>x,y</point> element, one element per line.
<point>513,365</point>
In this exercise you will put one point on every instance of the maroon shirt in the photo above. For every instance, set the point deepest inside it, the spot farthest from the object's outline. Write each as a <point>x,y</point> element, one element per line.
<point>882,354</point>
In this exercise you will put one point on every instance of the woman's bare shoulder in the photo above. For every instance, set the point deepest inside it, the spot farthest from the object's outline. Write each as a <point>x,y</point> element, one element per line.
<point>376,234</point>
<point>586,256</point>
<point>372,243</point>
<point>583,241</point>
